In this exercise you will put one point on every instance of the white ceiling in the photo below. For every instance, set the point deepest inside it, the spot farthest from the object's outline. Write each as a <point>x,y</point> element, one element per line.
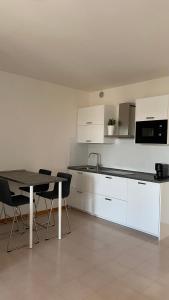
<point>85,44</point>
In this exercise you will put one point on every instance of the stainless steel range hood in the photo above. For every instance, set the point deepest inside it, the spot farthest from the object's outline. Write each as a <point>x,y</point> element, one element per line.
<point>126,120</point>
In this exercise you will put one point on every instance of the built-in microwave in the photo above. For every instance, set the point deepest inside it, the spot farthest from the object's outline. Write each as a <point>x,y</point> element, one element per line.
<point>152,132</point>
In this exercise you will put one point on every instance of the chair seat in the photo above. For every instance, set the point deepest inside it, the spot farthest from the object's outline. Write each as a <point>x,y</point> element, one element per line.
<point>25,188</point>
<point>39,187</point>
<point>48,195</point>
<point>19,200</point>
<point>36,188</point>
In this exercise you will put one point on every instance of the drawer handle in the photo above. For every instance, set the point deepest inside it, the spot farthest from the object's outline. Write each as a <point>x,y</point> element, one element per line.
<point>79,192</point>
<point>149,118</point>
<point>89,122</point>
<point>139,182</point>
<point>108,177</point>
<point>88,141</point>
<point>108,199</point>
<point>80,173</point>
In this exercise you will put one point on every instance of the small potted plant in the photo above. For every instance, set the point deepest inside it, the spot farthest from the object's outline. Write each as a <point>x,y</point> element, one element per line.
<point>111,126</point>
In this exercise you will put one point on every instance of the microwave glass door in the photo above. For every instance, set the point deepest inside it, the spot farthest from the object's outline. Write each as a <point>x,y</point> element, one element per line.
<point>154,132</point>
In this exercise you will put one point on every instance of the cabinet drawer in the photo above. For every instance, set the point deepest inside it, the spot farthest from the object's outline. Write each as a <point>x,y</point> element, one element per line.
<point>112,186</point>
<point>85,182</point>
<point>82,200</point>
<point>110,209</point>
<point>90,134</point>
<point>106,185</point>
<point>75,199</point>
<point>77,179</point>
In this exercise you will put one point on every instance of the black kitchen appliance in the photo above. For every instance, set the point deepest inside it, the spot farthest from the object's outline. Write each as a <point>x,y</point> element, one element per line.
<point>162,171</point>
<point>152,132</point>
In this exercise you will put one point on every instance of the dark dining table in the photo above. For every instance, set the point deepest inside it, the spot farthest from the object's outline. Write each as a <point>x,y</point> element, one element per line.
<point>32,179</point>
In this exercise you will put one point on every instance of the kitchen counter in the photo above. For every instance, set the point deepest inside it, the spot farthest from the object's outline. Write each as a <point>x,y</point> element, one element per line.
<point>142,176</point>
<point>129,198</point>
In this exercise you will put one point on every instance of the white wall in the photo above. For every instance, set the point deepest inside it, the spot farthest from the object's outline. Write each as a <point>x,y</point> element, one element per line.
<point>38,123</point>
<point>124,153</point>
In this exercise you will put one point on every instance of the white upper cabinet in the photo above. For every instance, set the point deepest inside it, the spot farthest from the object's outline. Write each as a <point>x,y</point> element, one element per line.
<point>90,134</point>
<point>92,123</point>
<point>152,108</point>
<point>91,115</point>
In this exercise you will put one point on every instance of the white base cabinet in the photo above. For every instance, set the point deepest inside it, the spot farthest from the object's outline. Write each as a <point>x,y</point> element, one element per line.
<point>140,205</point>
<point>143,209</point>
<point>110,209</point>
<point>100,195</point>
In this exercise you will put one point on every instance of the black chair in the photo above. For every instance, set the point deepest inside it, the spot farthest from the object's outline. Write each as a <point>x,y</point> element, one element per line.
<point>38,188</point>
<point>41,187</point>
<point>15,202</point>
<point>3,210</point>
<point>54,194</point>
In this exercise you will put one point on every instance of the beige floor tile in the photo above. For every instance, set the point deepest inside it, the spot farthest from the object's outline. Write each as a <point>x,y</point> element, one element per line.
<point>113,269</point>
<point>129,261</point>
<point>157,292</point>
<point>95,279</point>
<point>117,291</point>
<point>98,261</point>
<point>74,290</point>
<point>136,281</point>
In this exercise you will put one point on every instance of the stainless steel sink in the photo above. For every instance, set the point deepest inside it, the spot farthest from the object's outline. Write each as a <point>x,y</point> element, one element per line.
<point>88,168</point>
<point>105,170</point>
<point>118,172</point>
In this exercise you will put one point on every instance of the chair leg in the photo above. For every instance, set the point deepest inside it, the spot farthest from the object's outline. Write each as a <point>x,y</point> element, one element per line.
<point>53,217</point>
<point>48,223</point>
<point>36,230</point>
<point>67,215</point>
<point>36,206</point>
<point>16,217</point>
<point>11,231</point>
<point>25,226</point>
<point>47,208</point>
<point>2,211</point>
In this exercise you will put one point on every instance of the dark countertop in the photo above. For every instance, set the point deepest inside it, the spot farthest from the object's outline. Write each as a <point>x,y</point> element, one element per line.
<point>142,176</point>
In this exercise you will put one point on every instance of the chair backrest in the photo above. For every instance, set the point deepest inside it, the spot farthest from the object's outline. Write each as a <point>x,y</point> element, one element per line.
<point>65,185</point>
<point>5,194</point>
<point>42,187</point>
<point>45,172</point>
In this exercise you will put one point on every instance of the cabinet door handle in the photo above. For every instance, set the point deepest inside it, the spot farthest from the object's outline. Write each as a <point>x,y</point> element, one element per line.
<point>107,177</point>
<point>79,192</point>
<point>139,182</point>
<point>89,122</point>
<point>88,141</point>
<point>108,199</point>
<point>149,118</point>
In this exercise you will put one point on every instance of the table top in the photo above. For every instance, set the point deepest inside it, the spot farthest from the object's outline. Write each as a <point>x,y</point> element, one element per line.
<point>29,178</point>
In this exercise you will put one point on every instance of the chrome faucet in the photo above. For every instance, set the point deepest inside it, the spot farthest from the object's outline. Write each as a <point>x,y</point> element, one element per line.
<point>98,155</point>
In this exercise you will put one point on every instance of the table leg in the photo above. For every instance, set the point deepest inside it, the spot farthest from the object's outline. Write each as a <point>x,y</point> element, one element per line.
<point>31,217</point>
<point>60,212</point>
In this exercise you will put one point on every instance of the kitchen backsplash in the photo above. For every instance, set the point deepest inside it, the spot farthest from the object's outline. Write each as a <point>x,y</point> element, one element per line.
<point>127,155</point>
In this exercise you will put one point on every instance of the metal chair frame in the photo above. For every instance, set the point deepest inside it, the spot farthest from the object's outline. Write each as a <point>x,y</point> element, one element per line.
<point>51,212</point>
<point>17,213</point>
